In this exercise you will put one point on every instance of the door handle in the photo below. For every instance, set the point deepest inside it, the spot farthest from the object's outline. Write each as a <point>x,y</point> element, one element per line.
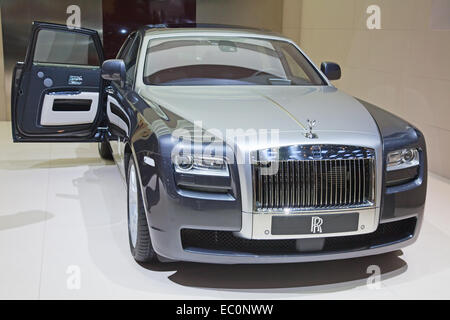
<point>109,90</point>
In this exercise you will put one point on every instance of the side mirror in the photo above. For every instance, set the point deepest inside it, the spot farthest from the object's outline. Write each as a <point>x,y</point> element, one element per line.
<point>331,70</point>
<point>114,70</point>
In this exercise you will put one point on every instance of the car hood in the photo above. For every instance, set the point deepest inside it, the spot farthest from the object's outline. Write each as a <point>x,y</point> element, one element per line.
<point>285,108</point>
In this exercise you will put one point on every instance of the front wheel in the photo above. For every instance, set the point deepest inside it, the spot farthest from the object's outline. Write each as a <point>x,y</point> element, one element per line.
<point>138,231</point>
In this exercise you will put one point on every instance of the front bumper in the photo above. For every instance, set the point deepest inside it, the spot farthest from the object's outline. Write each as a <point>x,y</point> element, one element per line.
<point>218,248</point>
<point>217,240</point>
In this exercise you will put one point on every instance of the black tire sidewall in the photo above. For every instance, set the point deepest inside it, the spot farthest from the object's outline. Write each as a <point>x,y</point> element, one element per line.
<point>143,250</point>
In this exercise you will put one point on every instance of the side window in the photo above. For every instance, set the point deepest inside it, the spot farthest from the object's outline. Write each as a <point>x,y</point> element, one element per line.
<point>125,47</point>
<point>62,47</point>
<point>130,60</point>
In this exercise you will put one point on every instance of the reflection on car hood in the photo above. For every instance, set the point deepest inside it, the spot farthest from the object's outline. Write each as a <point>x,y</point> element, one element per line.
<point>285,108</point>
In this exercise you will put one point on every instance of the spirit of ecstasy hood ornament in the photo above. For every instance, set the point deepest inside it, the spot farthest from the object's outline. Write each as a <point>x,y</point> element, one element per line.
<point>311,125</point>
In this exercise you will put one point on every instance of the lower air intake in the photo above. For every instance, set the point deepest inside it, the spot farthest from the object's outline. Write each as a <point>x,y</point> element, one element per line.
<point>220,241</point>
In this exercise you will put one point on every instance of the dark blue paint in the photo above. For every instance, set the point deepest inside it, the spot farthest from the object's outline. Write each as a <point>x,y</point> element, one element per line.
<point>396,133</point>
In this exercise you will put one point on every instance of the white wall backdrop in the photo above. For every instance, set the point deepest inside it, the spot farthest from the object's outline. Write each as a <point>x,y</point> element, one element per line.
<point>403,67</point>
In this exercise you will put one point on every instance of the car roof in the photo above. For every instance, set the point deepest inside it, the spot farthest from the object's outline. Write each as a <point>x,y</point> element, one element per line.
<point>202,27</point>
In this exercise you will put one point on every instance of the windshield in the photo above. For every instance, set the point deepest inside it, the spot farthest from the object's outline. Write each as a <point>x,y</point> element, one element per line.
<point>201,61</point>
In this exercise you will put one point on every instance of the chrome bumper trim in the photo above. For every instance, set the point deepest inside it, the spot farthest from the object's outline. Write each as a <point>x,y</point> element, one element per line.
<point>259,226</point>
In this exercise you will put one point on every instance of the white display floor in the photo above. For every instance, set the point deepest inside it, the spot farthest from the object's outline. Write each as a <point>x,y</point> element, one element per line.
<point>63,235</point>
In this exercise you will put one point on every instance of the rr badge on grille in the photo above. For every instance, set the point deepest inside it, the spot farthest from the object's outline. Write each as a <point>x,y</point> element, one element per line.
<point>316,224</point>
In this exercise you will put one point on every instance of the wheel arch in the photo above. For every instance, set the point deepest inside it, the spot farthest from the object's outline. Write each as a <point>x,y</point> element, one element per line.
<point>142,151</point>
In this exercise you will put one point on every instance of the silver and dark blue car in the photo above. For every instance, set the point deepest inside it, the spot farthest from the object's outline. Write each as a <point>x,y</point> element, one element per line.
<point>234,146</point>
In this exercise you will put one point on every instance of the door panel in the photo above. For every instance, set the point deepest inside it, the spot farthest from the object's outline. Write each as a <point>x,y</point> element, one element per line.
<point>59,94</point>
<point>69,108</point>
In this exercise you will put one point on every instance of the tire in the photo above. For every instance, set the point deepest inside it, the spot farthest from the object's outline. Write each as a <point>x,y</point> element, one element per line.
<point>138,231</point>
<point>104,149</point>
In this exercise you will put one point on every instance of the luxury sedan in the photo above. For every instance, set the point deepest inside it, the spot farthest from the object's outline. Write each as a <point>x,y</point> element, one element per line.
<point>235,147</point>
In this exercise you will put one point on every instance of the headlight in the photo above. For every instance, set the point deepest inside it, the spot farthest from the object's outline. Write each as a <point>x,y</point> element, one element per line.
<point>402,159</point>
<point>200,165</point>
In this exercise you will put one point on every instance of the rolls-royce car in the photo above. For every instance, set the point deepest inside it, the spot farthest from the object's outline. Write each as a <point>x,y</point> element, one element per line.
<point>234,146</point>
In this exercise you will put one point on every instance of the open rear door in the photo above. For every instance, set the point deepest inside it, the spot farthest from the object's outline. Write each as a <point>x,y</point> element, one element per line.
<point>57,93</point>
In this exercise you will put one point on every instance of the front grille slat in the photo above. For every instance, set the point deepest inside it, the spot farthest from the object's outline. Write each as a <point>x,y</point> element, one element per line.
<point>345,183</point>
<point>309,184</point>
<point>298,182</point>
<point>270,191</point>
<point>303,165</point>
<point>276,190</point>
<point>350,179</point>
<point>341,185</point>
<point>321,185</point>
<point>364,185</point>
<point>331,184</point>
<point>354,181</point>
<point>326,184</point>
<point>264,193</point>
<point>372,185</point>
<point>287,183</point>
<point>281,177</point>
<point>360,182</point>
<point>309,187</point>
<point>260,188</point>
<point>316,186</point>
<point>293,180</point>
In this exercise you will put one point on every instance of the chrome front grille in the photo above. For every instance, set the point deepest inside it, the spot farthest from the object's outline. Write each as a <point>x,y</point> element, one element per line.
<point>341,180</point>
